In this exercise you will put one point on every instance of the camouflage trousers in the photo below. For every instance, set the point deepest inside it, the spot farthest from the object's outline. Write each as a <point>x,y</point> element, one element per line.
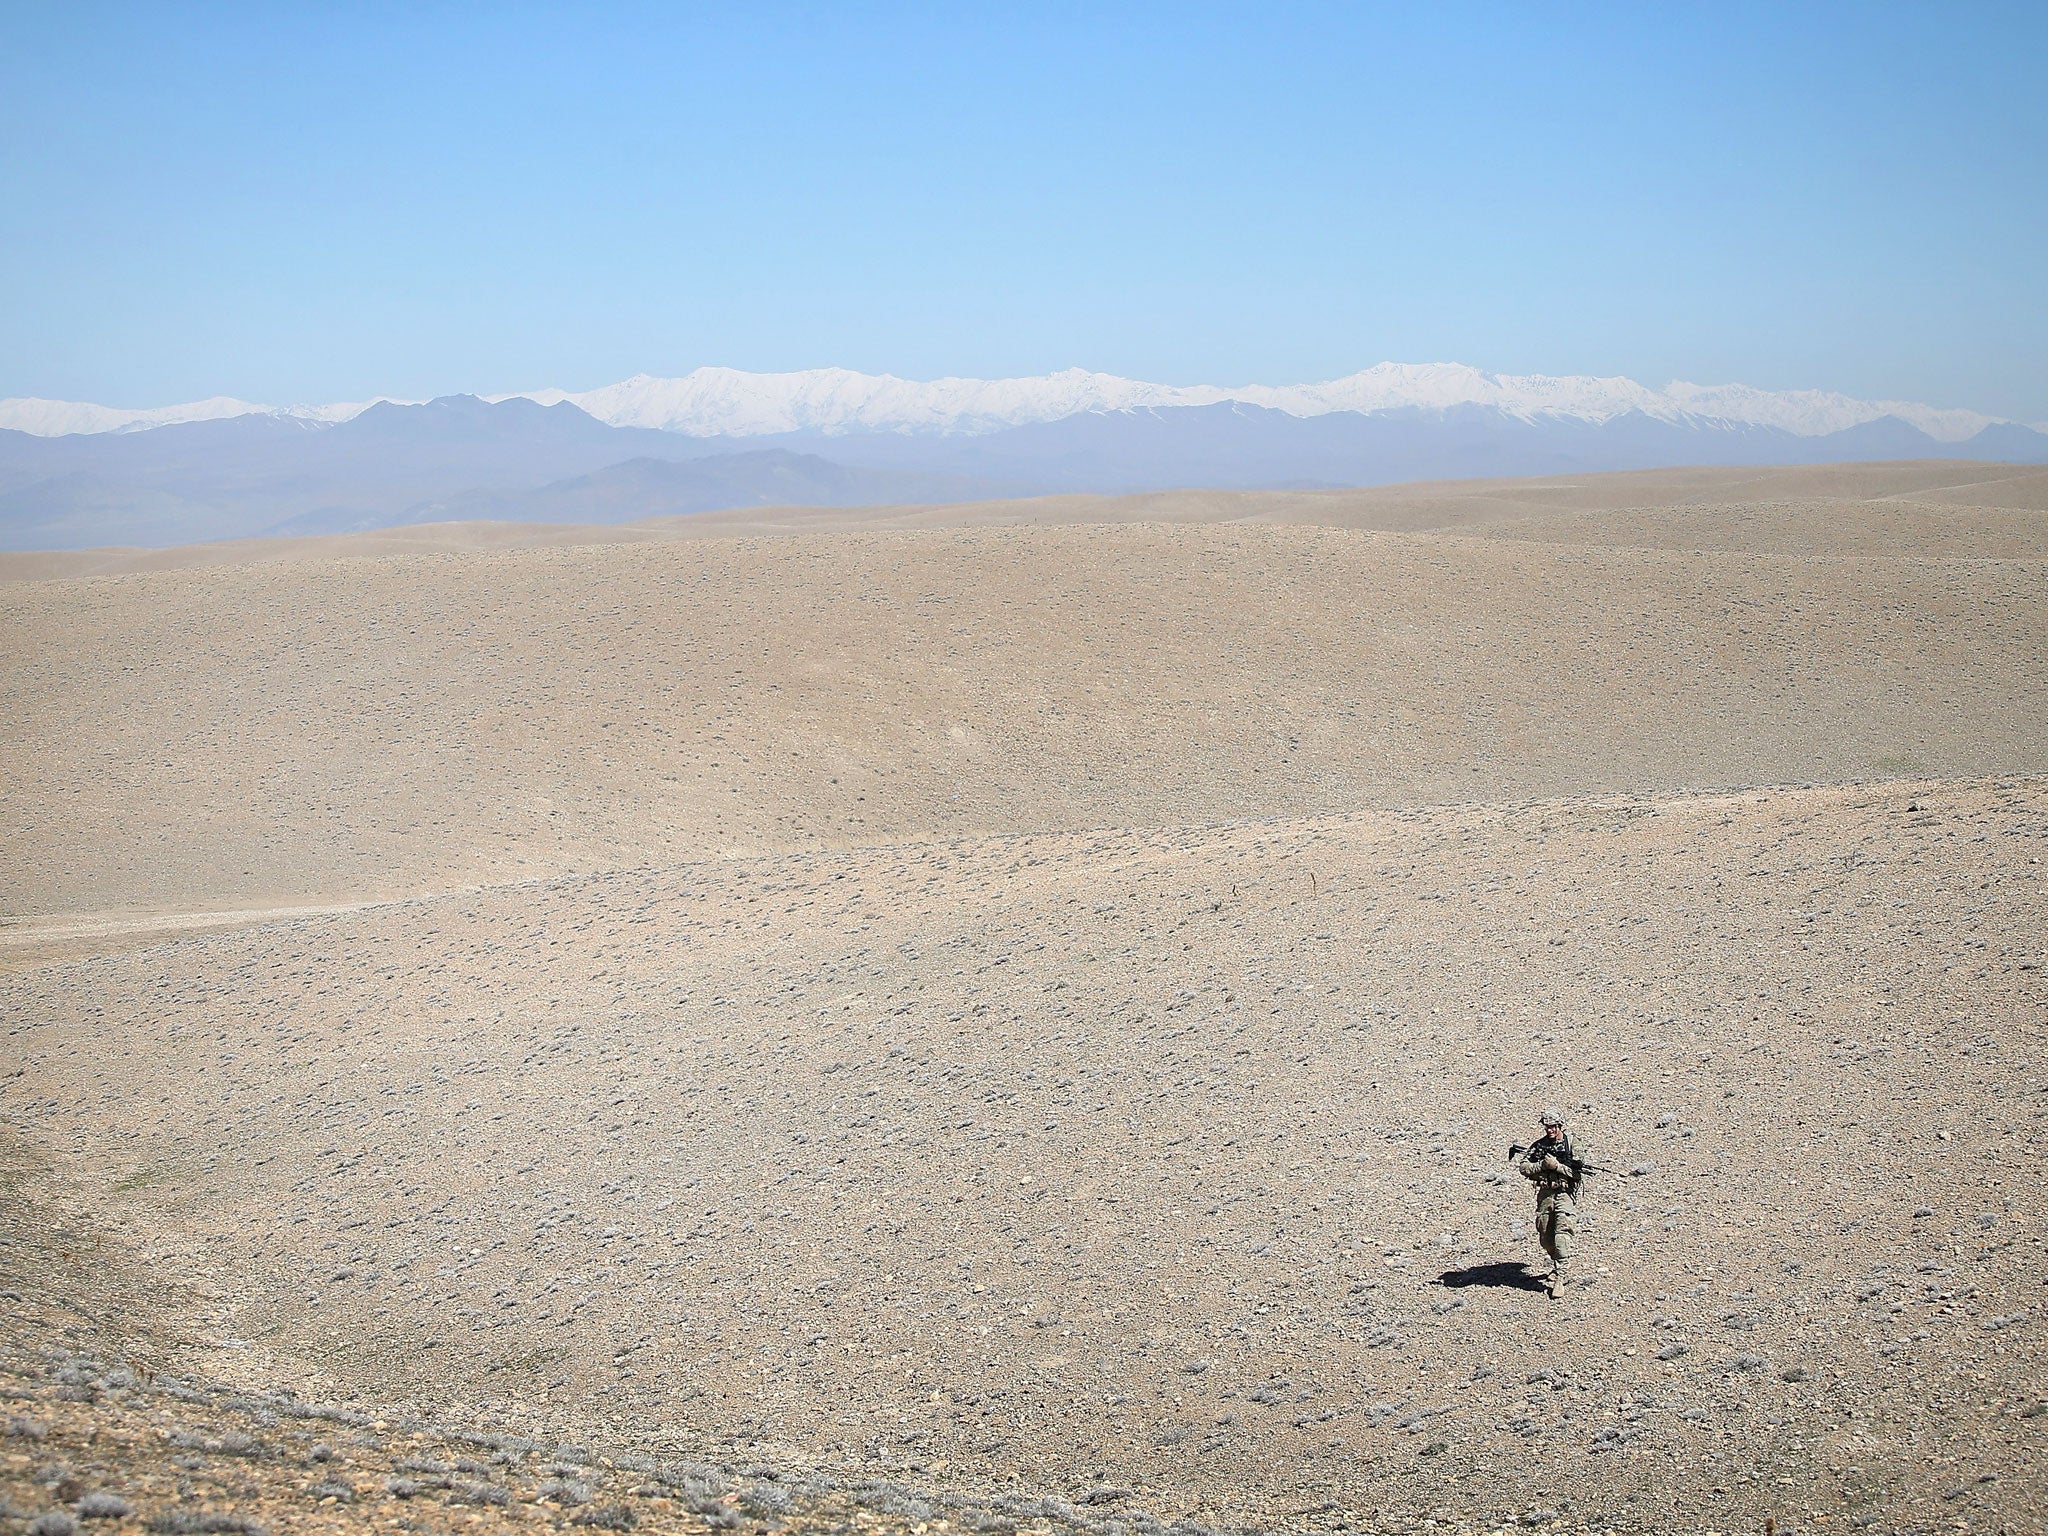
<point>1557,1229</point>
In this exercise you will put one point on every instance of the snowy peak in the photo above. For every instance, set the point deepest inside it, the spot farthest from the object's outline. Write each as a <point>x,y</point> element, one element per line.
<point>1817,412</point>
<point>1443,386</point>
<point>725,402</point>
<point>64,418</point>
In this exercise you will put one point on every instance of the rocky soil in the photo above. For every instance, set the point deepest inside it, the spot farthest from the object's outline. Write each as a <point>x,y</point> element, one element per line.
<point>317,732</point>
<point>1121,1149</point>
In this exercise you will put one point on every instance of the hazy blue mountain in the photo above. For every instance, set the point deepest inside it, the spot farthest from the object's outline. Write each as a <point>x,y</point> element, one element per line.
<point>838,402</point>
<point>2010,442</point>
<point>1245,446</point>
<point>641,488</point>
<point>462,458</point>
<point>234,478</point>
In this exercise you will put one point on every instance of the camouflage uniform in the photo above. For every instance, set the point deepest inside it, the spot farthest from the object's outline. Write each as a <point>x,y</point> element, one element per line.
<point>1546,1166</point>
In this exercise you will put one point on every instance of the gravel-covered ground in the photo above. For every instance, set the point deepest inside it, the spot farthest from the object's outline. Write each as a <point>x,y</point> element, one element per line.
<point>1167,1161</point>
<point>313,732</point>
<point>1115,1173</point>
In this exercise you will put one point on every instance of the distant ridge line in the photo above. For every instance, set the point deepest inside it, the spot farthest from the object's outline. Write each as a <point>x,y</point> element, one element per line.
<point>727,402</point>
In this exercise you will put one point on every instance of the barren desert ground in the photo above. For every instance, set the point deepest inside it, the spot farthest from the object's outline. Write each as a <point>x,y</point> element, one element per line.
<point>1009,1017</point>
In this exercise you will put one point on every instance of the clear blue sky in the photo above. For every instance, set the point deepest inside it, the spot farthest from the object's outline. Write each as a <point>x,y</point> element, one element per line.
<point>304,203</point>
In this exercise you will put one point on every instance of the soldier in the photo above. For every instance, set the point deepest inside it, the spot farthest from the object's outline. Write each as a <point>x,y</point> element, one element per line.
<point>1553,1167</point>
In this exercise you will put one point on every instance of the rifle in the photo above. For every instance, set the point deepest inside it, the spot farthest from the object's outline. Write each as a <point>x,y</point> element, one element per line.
<point>1570,1161</point>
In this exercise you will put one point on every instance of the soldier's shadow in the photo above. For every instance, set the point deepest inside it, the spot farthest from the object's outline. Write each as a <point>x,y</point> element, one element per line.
<point>1512,1277</point>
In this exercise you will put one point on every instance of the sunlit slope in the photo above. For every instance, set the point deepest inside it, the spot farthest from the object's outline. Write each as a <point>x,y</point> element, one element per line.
<point>238,736</point>
<point>1141,1158</point>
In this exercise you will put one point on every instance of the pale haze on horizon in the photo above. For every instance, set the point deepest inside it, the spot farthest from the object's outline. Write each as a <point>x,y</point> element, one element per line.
<point>299,207</point>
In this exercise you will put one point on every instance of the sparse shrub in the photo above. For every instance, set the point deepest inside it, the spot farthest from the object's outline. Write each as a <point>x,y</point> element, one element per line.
<point>565,1491</point>
<point>401,1487</point>
<point>235,1443</point>
<point>1043,1510</point>
<point>198,1522</point>
<point>331,1415</point>
<point>767,1498</point>
<point>611,1517</point>
<point>341,1493</point>
<point>103,1506</point>
<point>53,1523</point>
<point>481,1493</point>
<point>25,1429</point>
<point>692,1479</point>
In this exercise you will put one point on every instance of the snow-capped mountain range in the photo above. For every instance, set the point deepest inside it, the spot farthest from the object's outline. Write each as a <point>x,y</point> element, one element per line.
<point>78,476</point>
<point>834,402</point>
<point>67,418</point>
<point>724,402</point>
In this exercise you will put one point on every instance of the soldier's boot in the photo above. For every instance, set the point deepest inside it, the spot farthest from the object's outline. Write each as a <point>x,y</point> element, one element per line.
<point>1554,1283</point>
